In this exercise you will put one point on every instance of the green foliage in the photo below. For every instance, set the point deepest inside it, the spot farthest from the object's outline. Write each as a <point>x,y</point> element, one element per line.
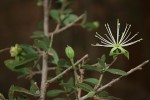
<point>69,19</point>
<point>92,68</point>
<point>14,89</point>
<point>43,43</point>
<point>84,87</point>
<point>34,88</point>
<point>2,97</point>
<point>55,14</point>
<point>54,93</point>
<point>28,59</point>
<point>91,25</point>
<point>92,81</point>
<point>37,34</point>
<point>69,85</point>
<point>105,95</point>
<point>116,71</point>
<point>54,59</point>
<point>90,94</point>
<point>18,65</point>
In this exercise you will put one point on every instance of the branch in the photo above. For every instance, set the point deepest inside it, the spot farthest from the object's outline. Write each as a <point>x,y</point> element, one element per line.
<point>139,67</point>
<point>5,49</point>
<point>39,72</point>
<point>68,26</point>
<point>65,71</point>
<point>44,55</point>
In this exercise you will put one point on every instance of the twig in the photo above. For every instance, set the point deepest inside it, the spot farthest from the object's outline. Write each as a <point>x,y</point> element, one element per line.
<point>39,72</point>
<point>5,49</point>
<point>44,55</point>
<point>65,71</point>
<point>139,67</point>
<point>68,26</point>
<point>52,34</point>
<point>81,80</point>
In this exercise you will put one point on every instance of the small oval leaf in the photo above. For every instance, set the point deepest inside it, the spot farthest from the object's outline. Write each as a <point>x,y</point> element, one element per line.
<point>116,71</point>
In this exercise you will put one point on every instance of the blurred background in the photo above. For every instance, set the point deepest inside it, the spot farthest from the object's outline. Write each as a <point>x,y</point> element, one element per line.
<point>20,18</point>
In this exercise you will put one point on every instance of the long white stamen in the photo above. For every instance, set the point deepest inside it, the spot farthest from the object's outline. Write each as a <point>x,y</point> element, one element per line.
<point>122,40</point>
<point>126,38</point>
<point>126,33</point>
<point>105,43</point>
<point>109,38</point>
<point>118,27</point>
<point>110,34</point>
<point>101,45</point>
<point>132,43</point>
<point>130,39</point>
<point>101,38</point>
<point>123,33</point>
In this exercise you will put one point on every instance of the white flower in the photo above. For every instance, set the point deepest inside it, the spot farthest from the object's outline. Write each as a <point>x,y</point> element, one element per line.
<point>117,44</point>
<point>120,41</point>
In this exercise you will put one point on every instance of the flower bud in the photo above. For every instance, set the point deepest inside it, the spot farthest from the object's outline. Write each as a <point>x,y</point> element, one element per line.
<point>69,52</point>
<point>15,50</point>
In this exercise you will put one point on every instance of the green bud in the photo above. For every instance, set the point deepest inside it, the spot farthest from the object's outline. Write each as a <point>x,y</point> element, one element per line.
<point>96,24</point>
<point>15,50</point>
<point>39,3</point>
<point>69,52</point>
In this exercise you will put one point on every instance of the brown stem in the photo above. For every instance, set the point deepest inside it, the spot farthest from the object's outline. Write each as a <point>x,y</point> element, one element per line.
<point>139,67</point>
<point>39,72</point>
<point>5,49</point>
<point>67,26</point>
<point>65,71</point>
<point>44,55</point>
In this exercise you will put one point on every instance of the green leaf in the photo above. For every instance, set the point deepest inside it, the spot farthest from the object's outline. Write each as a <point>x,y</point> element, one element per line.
<point>23,70</point>
<point>14,89</point>
<point>54,93</point>
<point>110,98</point>
<point>29,49</point>
<point>69,85</point>
<point>92,68</point>
<point>90,94</point>
<point>43,44</point>
<point>116,71</point>
<point>126,54</point>
<point>91,25</point>
<point>92,81</point>
<point>71,18</point>
<point>63,63</point>
<point>103,94</point>
<point>37,34</point>
<point>12,64</point>
<point>53,56</point>
<point>103,58</point>
<point>2,96</point>
<point>59,1</point>
<point>84,86</point>
<point>34,88</point>
<point>102,63</point>
<point>59,99</point>
<point>55,14</point>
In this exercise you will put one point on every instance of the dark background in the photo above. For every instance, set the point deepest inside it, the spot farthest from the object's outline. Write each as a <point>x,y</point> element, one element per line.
<point>20,18</point>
